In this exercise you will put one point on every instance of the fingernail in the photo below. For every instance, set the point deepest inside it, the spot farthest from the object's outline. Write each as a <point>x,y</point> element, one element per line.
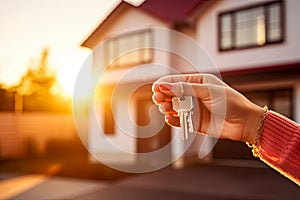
<point>173,112</point>
<point>165,86</point>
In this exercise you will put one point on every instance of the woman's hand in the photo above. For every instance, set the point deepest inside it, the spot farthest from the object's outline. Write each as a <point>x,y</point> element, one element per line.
<point>216,105</point>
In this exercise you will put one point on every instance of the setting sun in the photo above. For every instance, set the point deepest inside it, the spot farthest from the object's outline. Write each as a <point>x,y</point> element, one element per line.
<point>58,25</point>
<point>67,75</point>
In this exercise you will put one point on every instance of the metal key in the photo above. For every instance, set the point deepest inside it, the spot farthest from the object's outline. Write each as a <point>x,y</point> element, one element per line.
<point>184,106</point>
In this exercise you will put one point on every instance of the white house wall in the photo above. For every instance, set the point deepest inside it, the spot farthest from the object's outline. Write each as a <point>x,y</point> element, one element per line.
<point>125,128</point>
<point>286,52</point>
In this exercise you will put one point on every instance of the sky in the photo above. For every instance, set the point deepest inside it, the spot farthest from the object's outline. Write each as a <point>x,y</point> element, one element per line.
<point>29,26</point>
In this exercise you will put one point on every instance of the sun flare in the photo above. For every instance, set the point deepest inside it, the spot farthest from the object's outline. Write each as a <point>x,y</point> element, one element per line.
<point>68,65</point>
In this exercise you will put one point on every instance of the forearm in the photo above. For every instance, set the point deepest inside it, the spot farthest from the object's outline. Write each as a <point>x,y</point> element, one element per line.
<point>279,145</point>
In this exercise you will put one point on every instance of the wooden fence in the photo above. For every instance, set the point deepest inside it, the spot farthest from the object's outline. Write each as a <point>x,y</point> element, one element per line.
<point>23,134</point>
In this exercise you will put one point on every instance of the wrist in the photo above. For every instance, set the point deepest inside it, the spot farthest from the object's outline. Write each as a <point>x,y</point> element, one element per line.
<point>255,123</point>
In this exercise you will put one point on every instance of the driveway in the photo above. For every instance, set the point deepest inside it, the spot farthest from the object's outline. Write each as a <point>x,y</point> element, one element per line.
<point>194,182</point>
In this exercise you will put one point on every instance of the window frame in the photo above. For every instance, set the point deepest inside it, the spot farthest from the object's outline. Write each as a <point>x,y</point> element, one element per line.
<point>112,45</point>
<point>232,13</point>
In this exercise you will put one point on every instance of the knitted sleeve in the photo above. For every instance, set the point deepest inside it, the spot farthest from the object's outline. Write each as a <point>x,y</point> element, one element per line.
<point>280,145</point>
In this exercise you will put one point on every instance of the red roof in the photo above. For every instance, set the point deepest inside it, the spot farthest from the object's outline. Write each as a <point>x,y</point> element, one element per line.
<point>170,10</point>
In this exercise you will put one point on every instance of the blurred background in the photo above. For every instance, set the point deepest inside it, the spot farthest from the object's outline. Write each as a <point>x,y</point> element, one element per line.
<point>254,44</point>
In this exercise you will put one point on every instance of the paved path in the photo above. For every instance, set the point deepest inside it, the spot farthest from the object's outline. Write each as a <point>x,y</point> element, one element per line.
<point>35,186</point>
<point>205,182</point>
<point>198,182</point>
<point>17,185</point>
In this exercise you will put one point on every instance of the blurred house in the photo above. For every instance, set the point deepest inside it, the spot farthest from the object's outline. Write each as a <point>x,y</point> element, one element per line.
<point>254,44</point>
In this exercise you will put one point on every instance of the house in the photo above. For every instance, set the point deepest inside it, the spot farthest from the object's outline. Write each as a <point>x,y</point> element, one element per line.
<point>253,44</point>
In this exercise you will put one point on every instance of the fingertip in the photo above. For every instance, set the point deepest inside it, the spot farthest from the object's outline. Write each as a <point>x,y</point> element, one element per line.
<point>154,99</point>
<point>155,87</point>
<point>166,107</point>
<point>172,120</point>
<point>168,119</point>
<point>158,97</point>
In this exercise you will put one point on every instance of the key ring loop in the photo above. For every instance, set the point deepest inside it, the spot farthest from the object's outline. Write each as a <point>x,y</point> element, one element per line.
<point>181,88</point>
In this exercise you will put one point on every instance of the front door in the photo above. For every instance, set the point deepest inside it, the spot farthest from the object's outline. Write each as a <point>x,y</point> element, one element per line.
<point>157,140</point>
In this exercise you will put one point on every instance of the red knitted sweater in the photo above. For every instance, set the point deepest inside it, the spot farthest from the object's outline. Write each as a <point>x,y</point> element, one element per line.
<point>280,145</point>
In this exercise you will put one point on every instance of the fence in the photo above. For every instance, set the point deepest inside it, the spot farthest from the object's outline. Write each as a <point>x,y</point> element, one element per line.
<point>29,133</point>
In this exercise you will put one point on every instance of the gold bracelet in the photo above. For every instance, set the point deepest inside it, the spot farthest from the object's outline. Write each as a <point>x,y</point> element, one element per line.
<point>259,130</point>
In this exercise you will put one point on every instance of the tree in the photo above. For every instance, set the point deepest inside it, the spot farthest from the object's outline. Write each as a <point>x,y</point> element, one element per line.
<point>37,80</point>
<point>34,89</point>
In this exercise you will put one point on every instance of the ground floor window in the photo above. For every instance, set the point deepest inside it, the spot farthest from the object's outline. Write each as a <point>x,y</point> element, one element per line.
<point>108,119</point>
<point>279,100</point>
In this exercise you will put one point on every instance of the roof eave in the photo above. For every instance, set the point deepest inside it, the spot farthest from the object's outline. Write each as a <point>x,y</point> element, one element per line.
<point>89,41</point>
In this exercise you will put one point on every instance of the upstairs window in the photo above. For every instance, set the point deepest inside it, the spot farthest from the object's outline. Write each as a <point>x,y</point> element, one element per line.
<point>119,45</point>
<point>252,26</point>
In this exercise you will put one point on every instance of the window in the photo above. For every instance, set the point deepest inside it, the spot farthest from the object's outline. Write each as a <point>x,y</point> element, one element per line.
<point>119,45</point>
<point>277,100</point>
<point>251,27</point>
<point>108,122</point>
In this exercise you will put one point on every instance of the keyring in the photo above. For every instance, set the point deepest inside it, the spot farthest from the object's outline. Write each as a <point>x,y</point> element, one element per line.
<point>181,88</point>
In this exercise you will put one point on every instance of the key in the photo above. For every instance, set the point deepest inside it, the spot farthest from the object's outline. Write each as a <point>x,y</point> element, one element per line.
<point>184,106</point>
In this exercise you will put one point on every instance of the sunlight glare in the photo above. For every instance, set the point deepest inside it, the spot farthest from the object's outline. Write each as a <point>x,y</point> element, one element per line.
<point>67,64</point>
